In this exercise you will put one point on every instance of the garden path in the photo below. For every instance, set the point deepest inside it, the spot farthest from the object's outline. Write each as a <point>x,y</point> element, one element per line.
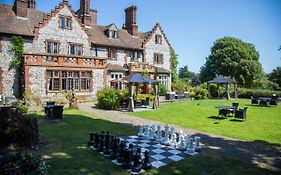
<point>261,154</point>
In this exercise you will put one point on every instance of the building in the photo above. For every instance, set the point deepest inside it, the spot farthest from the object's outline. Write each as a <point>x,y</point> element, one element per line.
<point>67,49</point>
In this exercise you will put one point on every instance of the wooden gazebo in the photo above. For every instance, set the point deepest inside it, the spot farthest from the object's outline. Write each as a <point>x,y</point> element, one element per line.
<point>221,80</point>
<point>135,80</point>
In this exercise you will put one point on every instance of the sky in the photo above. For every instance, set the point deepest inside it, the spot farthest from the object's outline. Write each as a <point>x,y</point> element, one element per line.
<point>192,26</point>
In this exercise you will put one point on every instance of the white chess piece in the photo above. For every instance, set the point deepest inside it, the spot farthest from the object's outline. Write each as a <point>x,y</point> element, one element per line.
<point>166,135</point>
<point>197,146</point>
<point>154,130</point>
<point>146,132</point>
<point>182,144</point>
<point>150,135</point>
<point>187,139</point>
<point>140,134</point>
<point>190,149</point>
<point>158,134</point>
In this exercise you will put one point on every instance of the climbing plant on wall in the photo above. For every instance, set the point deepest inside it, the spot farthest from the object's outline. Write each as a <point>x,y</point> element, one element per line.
<point>17,61</point>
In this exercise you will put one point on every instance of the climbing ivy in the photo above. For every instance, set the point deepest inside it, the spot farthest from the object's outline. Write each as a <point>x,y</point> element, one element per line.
<point>17,49</point>
<point>174,66</point>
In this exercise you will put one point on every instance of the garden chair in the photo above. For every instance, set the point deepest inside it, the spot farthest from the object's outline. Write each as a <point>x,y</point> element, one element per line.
<point>241,113</point>
<point>254,101</point>
<point>235,107</point>
<point>223,112</point>
<point>274,100</point>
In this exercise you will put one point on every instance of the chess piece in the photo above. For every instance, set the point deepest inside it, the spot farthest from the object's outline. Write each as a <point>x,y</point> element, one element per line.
<point>190,149</point>
<point>146,163</point>
<point>114,148</point>
<point>187,139</point>
<point>146,132</point>
<point>136,168</point>
<point>158,134</point>
<point>166,140</point>
<point>106,147</point>
<point>153,130</point>
<point>91,139</point>
<point>97,140</point>
<point>127,160</point>
<point>120,155</point>
<point>150,133</point>
<point>197,146</point>
<point>141,134</point>
<point>182,145</point>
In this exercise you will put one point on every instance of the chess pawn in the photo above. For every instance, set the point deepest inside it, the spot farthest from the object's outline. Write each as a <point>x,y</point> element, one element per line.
<point>140,134</point>
<point>146,162</point>
<point>197,146</point>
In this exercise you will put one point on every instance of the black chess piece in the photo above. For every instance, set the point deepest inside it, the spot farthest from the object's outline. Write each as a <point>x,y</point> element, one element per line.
<point>101,143</point>
<point>114,149</point>
<point>146,162</point>
<point>136,168</point>
<point>127,160</point>
<point>97,140</point>
<point>91,139</point>
<point>106,148</point>
<point>120,155</point>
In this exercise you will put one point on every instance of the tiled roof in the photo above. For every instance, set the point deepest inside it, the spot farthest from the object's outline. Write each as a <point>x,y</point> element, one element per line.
<point>125,40</point>
<point>11,24</point>
<point>162,70</point>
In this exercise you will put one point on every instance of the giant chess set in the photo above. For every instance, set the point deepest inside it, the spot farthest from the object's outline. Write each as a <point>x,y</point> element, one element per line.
<point>152,147</point>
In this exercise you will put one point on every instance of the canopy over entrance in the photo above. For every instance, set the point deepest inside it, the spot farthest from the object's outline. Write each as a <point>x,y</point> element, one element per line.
<point>224,81</point>
<point>135,80</point>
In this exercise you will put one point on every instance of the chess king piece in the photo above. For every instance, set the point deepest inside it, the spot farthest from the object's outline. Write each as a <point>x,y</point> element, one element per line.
<point>197,146</point>
<point>141,134</point>
<point>158,134</point>
<point>146,162</point>
<point>190,148</point>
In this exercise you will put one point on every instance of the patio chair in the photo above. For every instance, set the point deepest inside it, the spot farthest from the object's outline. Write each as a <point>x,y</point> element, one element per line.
<point>241,113</point>
<point>265,103</point>
<point>254,101</point>
<point>235,107</point>
<point>223,112</point>
<point>273,102</point>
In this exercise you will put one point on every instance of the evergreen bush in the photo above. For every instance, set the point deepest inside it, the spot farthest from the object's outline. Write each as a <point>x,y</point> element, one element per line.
<point>108,99</point>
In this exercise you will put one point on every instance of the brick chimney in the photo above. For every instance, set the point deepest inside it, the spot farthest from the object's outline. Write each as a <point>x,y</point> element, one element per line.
<point>85,14</point>
<point>20,8</point>
<point>131,20</point>
<point>93,16</point>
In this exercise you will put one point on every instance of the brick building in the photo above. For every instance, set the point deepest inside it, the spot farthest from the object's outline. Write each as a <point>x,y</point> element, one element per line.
<point>67,49</point>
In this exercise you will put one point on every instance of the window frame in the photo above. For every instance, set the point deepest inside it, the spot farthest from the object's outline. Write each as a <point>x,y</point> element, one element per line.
<point>135,56</point>
<point>158,39</point>
<point>158,58</point>
<point>112,53</point>
<point>52,50</point>
<point>67,22</point>
<point>75,49</point>
<point>113,34</point>
<point>68,80</point>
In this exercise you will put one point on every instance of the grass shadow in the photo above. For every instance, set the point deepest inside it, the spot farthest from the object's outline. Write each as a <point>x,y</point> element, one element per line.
<point>217,117</point>
<point>236,120</point>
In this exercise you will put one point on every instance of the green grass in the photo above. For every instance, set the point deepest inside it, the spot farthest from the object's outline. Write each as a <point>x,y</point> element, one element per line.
<point>64,147</point>
<point>262,124</point>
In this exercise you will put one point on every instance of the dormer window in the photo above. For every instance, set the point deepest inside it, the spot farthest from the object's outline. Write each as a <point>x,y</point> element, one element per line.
<point>158,39</point>
<point>65,22</point>
<point>112,34</point>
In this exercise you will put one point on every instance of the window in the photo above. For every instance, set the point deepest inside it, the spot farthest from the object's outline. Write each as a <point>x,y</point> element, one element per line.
<point>134,56</point>
<point>75,49</point>
<point>112,34</point>
<point>158,58</point>
<point>52,47</point>
<point>116,85</point>
<point>163,79</point>
<point>65,22</point>
<point>68,80</point>
<point>158,39</point>
<point>112,54</point>
<point>95,49</point>
<point>1,80</point>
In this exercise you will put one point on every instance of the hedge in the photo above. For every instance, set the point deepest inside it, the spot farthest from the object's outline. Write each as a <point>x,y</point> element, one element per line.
<point>247,93</point>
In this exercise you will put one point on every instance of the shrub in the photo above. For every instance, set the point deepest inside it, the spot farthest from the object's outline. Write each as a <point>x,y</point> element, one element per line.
<point>17,130</point>
<point>123,94</point>
<point>108,99</point>
<point>72,99</point>
<point>162,89</point>
<point>179,86</point>
<point>21,162</point>
<point>247,93</point>
<point>144,96</point>
<point>213,90</point>
<point>21,105</point>
<point>200,93</point>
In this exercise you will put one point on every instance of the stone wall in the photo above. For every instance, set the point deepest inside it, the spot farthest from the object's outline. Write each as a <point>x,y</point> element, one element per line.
<point>98,80</point>
<point>51,31</point>
<point>10,79</point>
<point>37,81</point>
<point>151,48</point>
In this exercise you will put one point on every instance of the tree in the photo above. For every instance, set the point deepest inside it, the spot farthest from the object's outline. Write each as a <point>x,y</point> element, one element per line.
<point>174,65</point>
<point>235,58</point>
<point>184,72</point>
<point>275,76</point>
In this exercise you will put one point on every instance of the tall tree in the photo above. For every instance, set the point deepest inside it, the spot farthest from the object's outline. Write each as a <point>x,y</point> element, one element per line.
<point>235,58</point>
<point>275,76</point>
<point>184,72</point>
<point>174,65</point>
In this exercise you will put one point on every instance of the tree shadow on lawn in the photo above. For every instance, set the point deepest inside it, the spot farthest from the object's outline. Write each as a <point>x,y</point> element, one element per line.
<point>67,152</point>
<point>258,153</point>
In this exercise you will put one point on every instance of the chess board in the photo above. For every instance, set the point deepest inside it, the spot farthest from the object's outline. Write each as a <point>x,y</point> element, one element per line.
<point>160,155</point>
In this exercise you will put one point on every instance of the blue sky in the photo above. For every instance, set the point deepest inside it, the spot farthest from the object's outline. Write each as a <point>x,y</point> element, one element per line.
<point>193,25</point>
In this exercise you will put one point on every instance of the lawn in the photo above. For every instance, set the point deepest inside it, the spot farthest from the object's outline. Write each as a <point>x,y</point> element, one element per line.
<point>64,147</point>
<point>262,124</point>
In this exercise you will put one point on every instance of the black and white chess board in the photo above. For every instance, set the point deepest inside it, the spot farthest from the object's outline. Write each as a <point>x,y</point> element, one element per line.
<point>160,155</point>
